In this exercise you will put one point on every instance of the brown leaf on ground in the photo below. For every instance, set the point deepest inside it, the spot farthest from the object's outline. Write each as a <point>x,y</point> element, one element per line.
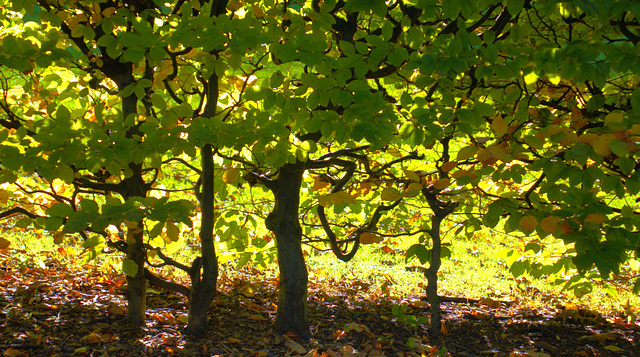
<point>293,347</point>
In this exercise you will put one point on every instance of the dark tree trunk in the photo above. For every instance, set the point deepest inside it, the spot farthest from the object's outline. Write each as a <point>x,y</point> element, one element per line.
<point>203,289</point>
<point>136,285</point>
<point>133,186</point>
<point>440,211</point>
<point>283,221</point>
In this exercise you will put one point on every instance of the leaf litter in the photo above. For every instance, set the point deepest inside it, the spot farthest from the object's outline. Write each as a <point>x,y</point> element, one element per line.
<point>59,311</point>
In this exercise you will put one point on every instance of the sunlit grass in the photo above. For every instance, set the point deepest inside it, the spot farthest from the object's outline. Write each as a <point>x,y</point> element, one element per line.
<point>476,269</point>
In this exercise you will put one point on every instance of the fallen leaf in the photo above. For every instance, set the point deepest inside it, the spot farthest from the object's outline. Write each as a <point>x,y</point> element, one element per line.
<point>443,328</point>
<point>489,302</point>
<point>605,336</point>
<point>13,352</point>
<point>257,318</point>
<point>294,347</point>
<point>613,348</point>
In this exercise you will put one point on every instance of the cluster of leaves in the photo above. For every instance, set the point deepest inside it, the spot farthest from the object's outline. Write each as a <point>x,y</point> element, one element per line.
<point>515,113</point>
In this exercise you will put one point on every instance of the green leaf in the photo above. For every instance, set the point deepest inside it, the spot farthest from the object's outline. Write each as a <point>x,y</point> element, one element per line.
<point>89,206</point>
<point>451,8</point>
<point>619,147</point>
<point>515,6</point>
<point>519,267</point>
<point>419,251</point>
<point>23,222</point>
<point>158,101</point>
<point>632,184</point>
<point>129,267</point>
<point>625,164</point>
<point>65,173</point>
<point>635,101</point>
<point>60,210</point>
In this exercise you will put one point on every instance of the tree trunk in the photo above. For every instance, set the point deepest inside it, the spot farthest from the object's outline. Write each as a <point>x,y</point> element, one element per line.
<point>136,285</point>
<point>440,211</point>
<point>203,289</point>
<point>134,186</point>
<point>283,221</point>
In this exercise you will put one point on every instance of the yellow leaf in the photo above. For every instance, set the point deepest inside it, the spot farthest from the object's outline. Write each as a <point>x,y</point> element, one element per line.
<point>588,138</point>
<point>601,146</point>
<point>595,218</point>
<point>462,173</point>
<point>411,175</point>
<point>233,340</point>
<point>604,336</point>
<point>448,166</point>
<point>293,347</point>
<point>613,348</point>
<point>354,326</point>
<point>257,318</point>
<point>413,190</point>
<point>531,78</point>
<point>131,224</point>
<point>576,113</point>
<point>613,118</point>
<point>342,197</point>
<point>528,223</point>
<point>466,153</point>
<point>173,231</point>
<point>9,352</point>
<point>325,201</point>
<point>231,175</point>
<point>319,184</point>
<point>550,224</point>
<point>58,237</point>
<point>4,197</point>
<point>499,126</point>
<point>336,198</point>
<point>257,12</point>
<point>370,238</point>
<point>394,152</point>
<point>442,183</point>
<point>390,194</point>
<point>4,243</point>
<point>91,338</point>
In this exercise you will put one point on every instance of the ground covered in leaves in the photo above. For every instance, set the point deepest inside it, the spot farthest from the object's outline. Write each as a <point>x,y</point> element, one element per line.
<point>61,311</point>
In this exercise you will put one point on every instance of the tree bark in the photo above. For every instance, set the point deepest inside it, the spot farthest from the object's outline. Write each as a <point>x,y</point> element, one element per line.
<point>136,285</point>
<point>440,211</point>
<point>203,289</point>
<point>284,222</point>
<point>133,186</point>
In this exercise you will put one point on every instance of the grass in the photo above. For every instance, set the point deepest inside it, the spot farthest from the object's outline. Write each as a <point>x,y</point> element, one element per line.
<point>476,269</point>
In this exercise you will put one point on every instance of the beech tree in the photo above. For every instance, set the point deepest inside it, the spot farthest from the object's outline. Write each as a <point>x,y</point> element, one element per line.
<point>520,114</point>
<point>96,100</point>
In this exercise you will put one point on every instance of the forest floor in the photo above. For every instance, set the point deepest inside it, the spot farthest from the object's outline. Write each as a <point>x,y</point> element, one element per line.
<point>62,311</point>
